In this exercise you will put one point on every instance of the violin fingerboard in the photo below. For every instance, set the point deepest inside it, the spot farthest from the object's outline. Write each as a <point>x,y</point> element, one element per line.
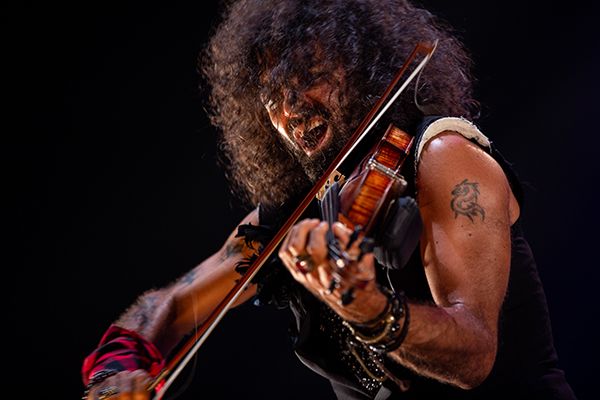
<point>393,148</point>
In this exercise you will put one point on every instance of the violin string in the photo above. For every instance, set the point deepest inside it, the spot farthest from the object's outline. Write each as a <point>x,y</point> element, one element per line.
<point>387,273</point>
<point>183,358</point>
<point>334,249</point>
<point>330,217</point>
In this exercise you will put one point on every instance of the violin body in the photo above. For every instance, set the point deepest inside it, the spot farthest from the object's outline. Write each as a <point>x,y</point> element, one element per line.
<point>362,205</point>
<point>364,200</point>
<point>367,193</point>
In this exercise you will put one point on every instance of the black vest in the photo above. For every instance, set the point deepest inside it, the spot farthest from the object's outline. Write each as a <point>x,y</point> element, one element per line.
<point>526,363</point>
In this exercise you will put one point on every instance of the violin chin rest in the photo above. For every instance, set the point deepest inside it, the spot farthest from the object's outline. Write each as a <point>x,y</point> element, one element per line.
<point>399,234</point>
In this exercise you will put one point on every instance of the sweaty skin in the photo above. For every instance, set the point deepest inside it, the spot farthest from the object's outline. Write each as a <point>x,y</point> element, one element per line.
<point>166,315</point>
<point>466,262</point>
<point>288,110</point>
<point>467,212</point>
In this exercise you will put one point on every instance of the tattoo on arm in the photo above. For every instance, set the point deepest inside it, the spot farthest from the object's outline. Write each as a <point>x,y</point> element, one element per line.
<point>464,200</point>
<point>188,278</point>
<point>236,247</point>
<point>150,311</point>
<point>233,247</point>
<point>146,309</point>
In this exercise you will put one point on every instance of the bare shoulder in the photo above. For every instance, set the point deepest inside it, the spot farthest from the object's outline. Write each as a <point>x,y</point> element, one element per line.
<point>450,154</point>
<point>452,166</point>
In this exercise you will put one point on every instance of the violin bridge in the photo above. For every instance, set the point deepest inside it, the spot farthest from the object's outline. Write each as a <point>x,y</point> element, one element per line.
<point>334,177</point>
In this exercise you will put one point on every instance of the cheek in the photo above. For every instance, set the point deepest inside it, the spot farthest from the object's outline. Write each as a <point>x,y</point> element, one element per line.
<point>273,117</point>
<point>279,125</point>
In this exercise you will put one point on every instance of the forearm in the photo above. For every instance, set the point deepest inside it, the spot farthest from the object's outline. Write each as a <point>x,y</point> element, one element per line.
<point>165,316</point>
<point>135,347</point>
<point>150,316</point>
<point>147,332</point>
<point>449,344</point>
<point>132,343</point>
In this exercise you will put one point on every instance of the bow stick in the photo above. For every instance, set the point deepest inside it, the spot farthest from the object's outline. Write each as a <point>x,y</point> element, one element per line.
<point>178,362</point>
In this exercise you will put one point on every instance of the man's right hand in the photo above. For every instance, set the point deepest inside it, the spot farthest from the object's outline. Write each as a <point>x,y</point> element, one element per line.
<point>126,385</point>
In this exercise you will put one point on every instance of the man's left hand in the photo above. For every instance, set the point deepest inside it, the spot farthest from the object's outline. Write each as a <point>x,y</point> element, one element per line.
<point>307,241</point>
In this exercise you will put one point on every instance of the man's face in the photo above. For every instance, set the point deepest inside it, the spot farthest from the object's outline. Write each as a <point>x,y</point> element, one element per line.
<point>304,117</point>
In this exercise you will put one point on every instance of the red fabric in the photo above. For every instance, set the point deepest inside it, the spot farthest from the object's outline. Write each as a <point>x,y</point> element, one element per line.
<point>122,350</point>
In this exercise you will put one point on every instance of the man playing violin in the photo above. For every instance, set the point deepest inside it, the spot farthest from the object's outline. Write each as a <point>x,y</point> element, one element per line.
<point>463,316</point>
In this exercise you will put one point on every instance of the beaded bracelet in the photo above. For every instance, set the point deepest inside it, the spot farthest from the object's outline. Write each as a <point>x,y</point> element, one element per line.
<point>98,377</point>
<point>384,334</point>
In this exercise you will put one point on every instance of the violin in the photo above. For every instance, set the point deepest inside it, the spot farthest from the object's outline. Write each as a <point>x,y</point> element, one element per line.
<point>362,203</point>
<point>364,200</point>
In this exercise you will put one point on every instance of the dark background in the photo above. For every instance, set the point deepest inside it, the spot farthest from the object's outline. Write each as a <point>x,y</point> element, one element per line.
<point>112,187</point>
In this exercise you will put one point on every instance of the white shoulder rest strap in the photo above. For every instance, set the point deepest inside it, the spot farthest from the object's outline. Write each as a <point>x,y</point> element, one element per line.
<point>455,124</point>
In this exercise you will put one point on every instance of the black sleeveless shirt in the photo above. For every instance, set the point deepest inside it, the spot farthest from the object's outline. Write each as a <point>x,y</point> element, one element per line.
<point>526,363</point>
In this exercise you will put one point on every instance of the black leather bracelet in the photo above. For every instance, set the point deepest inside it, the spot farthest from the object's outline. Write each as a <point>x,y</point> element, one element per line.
<point>397,337</point>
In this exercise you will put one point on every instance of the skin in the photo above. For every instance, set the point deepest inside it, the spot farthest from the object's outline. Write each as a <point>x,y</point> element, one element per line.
<point>467,211</point>
<point>465,252</point>
<point>281,114</point>
<point>466,263</point>
<point>166,315</point>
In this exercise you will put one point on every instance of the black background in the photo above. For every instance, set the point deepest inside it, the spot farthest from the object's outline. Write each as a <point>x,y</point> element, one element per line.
<point>112,186</point>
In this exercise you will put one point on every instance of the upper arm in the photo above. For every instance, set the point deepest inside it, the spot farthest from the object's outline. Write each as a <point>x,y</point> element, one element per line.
<point>465,200</point>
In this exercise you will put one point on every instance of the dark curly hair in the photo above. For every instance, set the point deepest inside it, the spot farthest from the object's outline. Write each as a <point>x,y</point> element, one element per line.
<point>262,46</point>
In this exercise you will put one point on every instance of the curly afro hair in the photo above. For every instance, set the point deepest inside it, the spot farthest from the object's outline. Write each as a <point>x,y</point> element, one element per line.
<point>261,46</point>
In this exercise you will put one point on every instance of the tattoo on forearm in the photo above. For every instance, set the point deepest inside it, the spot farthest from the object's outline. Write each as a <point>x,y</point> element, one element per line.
<point>238,247</point>
<point>139,316</point>
<point>242,266</point>
<point>188,278</point>
<point>233,248</point>
<point>464,200</point>
<point>149,315</point>
<point>146,309</point>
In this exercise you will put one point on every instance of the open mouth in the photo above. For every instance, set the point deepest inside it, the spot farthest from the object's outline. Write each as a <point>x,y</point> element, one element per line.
<point>314,138</point>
